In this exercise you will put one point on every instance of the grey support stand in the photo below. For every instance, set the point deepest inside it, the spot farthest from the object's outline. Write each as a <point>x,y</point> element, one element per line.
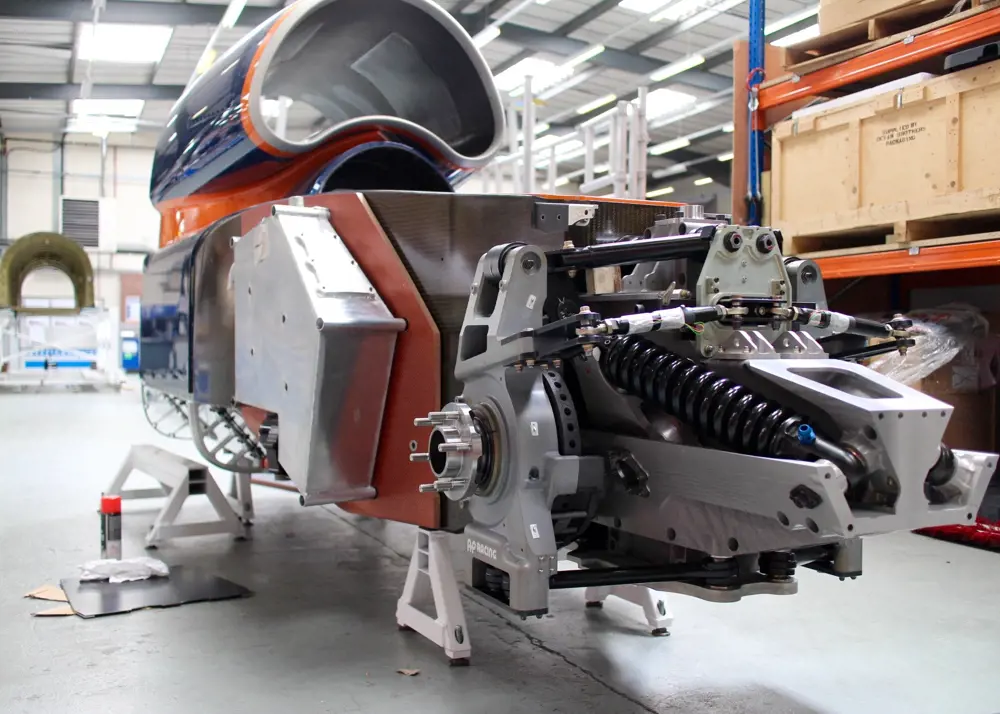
<point>431,580</point>
<point>180,477</point>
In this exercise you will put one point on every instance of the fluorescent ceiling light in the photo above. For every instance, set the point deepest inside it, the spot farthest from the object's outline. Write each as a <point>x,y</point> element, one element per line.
<point>544,141</point>
<point>101,126</point>
<point>130,108</point>
<point>797,37</point>
<point>728,156</point>
<point>702,181</point>
<point>539,129</point>
<point>573,81</point>
<point>675,68</point>
<point>664,101</point>
<point>643,6</point>
<point>680,10</point>
<point>596,104</point>
<point>232,15</point>
<point>562,181</point>
<point>569,146</point>
<point>667,146</point>
<point>486,36</point>
<point>670,171</point>
<point>728,128</point>
<point>542,72</point>
<point>784,22</point>
<point>588,54</point>
<point>660,192</point>
<point>602,168</point>
<point>131,44</point>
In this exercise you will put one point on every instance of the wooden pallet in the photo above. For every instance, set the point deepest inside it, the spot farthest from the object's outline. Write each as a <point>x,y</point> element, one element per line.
<point>886,29</point>
<point>886,247</point>
<point>900,235</point>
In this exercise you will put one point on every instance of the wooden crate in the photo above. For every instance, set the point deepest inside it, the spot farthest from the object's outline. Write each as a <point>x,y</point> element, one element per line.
<point>886,28</point>
<point>914,163</point>
<point>839,14</point>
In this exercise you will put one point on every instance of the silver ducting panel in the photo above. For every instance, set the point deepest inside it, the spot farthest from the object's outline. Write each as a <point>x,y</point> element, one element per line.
<point>314,344</point>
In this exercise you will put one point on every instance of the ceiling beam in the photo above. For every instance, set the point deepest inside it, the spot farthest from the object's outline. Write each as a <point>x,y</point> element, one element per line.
<point>538,41</point>
<point>508,63</point>
<point>563,30</point>
<point>68,92</point>
<point>587,17</point>
<point>715,60</point>
<point>142,12</point>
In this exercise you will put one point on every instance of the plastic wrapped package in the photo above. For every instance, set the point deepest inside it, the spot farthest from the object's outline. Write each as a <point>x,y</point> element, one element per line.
<point>124,571</point>
<point>942,334</point>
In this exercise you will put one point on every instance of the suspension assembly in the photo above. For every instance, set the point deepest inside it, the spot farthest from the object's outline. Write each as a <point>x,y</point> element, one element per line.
<point>720,409</point>
<point>715,406</point>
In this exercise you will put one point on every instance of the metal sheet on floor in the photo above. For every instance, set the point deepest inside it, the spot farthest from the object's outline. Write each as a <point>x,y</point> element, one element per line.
<point>184,585</point>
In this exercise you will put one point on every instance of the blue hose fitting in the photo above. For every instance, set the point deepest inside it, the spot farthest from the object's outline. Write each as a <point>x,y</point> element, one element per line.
<point>806,435</point>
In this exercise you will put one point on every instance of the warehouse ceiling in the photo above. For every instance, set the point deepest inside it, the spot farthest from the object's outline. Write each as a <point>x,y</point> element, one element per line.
<point>585,54</point>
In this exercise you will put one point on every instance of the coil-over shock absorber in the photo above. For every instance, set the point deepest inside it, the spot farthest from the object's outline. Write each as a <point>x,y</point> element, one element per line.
<point>717,407</point>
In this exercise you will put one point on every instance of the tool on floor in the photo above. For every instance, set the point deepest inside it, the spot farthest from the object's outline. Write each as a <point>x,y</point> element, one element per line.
<point>111,527</point>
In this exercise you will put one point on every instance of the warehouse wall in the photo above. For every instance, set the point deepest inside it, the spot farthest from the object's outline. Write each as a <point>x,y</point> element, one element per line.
<point>35,181</point>
<point>40,167</point>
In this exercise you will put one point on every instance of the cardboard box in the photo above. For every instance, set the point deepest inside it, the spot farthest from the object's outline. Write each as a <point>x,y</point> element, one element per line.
<point>969,384</point>
<point>973,424</point>
<point>907,154</point>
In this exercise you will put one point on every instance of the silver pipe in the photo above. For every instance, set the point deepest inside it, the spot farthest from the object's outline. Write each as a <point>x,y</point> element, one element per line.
<point>619,129</point>
<point>633,152</point>
<point>102,191</point>
<point>552,170</point>
<point>588,154</point>
<point>58,183</point>
<point>528,132</point>
<point>3,187</point>
<point>512,122</point>
<point>640,171</point>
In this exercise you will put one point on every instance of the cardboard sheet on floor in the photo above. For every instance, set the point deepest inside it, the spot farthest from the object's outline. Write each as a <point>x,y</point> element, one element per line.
<point>184,585</point>
<point>51,593</point>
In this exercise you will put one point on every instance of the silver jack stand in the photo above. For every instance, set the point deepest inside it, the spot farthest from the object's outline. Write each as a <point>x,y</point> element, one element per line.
<point>653,604</point>
<point>179,478</point>
<point>431,579</point>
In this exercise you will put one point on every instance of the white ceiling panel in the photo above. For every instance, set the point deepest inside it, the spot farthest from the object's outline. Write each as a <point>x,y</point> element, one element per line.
<point>39,55</point>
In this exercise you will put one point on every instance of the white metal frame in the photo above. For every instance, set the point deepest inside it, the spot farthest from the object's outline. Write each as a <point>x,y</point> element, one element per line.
<point>623,129</point>
<point>659,617</point>
<point>431,577</point>
<point>17,345</point>
<point>431,580</point>
<point>180,477</point>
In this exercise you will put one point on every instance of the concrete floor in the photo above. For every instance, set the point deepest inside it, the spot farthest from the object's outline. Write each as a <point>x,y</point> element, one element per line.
<point>920,632</point>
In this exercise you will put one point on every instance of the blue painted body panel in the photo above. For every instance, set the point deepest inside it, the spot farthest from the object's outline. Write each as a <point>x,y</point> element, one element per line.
<point>167,304</point>
<point>205,147</point>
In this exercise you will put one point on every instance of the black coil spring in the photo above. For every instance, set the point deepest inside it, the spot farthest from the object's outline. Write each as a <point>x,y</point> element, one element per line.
<point>713,405</point>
